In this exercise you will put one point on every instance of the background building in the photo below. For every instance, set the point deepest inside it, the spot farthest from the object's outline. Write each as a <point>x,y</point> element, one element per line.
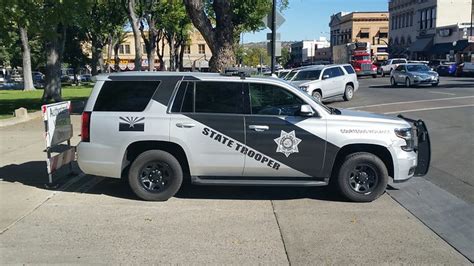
<point>197,53</point>
<point>430,29</point>
<point>371,27</point>
<point>304,52</point>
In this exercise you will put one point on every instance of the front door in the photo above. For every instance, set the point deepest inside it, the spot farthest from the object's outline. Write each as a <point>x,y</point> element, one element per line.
<point>279,141</point>
<point>207,121</point>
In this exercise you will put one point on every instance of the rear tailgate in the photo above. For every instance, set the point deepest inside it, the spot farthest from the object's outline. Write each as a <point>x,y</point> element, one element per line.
<point>422,147</point>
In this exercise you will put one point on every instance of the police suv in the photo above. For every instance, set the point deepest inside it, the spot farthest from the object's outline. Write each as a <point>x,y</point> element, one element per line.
<point>157,128</point>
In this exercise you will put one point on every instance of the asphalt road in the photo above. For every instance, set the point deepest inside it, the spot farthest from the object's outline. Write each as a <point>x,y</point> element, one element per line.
<point>92,220</point>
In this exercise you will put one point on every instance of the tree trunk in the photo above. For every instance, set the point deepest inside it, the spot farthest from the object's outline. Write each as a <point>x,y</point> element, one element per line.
<point>110,45</point>
<point>25,46</point>
<point>181,56</point>
<point>97,60</point>
<point>170,39</point>
<point>219,39</point>
<point>134,22</point>
<point>160,40</point>
<point>52,90</point>
<point>116,57</point>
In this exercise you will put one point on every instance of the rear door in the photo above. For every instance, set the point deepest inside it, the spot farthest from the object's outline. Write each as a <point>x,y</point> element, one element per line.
<point>277,144</point>
<point>207,121</point>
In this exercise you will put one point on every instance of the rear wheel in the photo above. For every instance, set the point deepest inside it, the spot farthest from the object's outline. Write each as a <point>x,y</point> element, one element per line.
<point>393,82</point>
<point>155,175</point>
<point>407,82</point>
<point>317,95</point>
<point>362,177</point>
<point>349,92</point>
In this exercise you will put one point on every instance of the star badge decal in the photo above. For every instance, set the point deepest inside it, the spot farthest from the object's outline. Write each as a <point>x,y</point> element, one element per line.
<point>287,143</point>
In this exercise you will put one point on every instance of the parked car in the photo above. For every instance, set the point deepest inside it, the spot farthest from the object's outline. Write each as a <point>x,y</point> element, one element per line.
<point>414,74</point>
<point>447,69</point>
<point>157,129</point>
<point>390,65</point>
<point>465,69</point>
<point>86,78</point>
<point>328,81</point>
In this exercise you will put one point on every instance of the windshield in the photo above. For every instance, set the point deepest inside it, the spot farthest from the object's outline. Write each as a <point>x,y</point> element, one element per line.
<point>398,61</point>
<point>418,68</point>
<point>290,75</point>
<point>362,57</point>
<point>282,74</point>
<point>307,75</point>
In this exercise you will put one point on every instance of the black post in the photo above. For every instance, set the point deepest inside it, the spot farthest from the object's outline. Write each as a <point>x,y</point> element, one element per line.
<point>273,58</point>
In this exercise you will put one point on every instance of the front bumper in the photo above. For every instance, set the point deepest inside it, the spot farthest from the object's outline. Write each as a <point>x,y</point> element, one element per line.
<point>366,72</point>
<point>422,146</point>
<point>426,81</point>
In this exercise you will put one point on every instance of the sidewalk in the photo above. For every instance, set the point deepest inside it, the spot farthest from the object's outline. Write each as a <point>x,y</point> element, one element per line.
<point>99,220</point>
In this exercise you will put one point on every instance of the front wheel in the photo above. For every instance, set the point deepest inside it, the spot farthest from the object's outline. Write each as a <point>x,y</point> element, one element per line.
<point>362,177</point>
<point>407,82</point>
<point>349,92</point>
<point>393,82</point>
<point>317,95</point>
<point>155,175</point>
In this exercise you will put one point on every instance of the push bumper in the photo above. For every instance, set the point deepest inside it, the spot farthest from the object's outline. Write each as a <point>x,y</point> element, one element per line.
<point>422,146</point>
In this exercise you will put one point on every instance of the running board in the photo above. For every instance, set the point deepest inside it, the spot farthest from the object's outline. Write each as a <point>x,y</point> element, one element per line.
<point>258,181</point>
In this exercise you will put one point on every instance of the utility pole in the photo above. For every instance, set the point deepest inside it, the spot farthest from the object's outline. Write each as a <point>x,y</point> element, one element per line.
<point>273,58</point>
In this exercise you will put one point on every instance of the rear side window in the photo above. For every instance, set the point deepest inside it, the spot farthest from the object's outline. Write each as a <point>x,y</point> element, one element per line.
<point>218,97</point>
<point>209,97</point>
<point>125,96</point>
<point>349,69</point>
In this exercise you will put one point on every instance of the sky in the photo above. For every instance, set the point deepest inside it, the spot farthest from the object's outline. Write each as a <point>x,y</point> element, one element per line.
<point>309,19</point>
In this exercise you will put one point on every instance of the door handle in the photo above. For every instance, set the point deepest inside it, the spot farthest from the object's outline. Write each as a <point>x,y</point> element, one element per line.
<point>185,125</point>
<point>259,128</point>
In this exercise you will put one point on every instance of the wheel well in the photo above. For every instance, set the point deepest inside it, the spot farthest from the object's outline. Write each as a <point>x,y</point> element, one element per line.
<point>136,148</point>
<point>318,90</point>
<point>350,83</point>
<point>377,150</point>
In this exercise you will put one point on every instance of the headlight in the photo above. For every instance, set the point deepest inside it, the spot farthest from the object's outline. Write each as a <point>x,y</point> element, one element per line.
<point>408,135</point>
<point>416,76</point>
<point>305,88</point>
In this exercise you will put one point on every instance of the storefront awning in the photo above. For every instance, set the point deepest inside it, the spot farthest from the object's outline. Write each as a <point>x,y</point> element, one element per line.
<point>421,45</point>
<point>446,48</point>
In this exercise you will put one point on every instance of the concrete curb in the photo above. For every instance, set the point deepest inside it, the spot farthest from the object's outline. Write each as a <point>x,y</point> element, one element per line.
<point>18,120</point>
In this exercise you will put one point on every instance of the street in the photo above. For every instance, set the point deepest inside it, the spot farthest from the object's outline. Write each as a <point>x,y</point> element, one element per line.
<point>93,219</point>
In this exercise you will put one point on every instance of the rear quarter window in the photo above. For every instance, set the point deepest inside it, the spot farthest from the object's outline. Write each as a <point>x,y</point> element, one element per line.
<point>349,69</point>
<point>125,96</point>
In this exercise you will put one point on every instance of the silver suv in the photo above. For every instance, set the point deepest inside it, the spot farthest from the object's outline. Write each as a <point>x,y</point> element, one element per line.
<point>156,129</point>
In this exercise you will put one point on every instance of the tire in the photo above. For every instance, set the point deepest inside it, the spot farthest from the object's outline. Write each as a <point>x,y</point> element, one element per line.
<point>374,76</point>
<point>348,92</point>
<point>393,82</point>
<point>407,82</point>
<point>317,95</point>
<point>362,177</point>
<point>159,185</point>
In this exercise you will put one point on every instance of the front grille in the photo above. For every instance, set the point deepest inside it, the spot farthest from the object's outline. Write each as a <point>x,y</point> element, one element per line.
<point>366,67</point>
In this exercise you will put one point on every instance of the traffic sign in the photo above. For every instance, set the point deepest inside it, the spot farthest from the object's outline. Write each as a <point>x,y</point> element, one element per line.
<point>267,20</point>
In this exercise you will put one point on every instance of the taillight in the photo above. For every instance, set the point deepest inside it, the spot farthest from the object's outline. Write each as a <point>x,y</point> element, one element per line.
<point>85,129</point>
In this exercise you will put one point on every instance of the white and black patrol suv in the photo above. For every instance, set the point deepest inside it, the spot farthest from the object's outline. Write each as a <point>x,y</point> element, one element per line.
<point>157,128</point>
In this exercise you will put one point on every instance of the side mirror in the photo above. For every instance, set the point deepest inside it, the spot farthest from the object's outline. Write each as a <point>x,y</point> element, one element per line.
<point>306,110</point>
<point>325,77</point>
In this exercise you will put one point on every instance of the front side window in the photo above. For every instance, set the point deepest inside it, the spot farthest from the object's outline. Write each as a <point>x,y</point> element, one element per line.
<point>273,100</point>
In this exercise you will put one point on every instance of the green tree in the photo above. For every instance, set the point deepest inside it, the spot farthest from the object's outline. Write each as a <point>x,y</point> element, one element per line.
<point>255,56</point>
<point>20,17</point>
<point>221,22</point>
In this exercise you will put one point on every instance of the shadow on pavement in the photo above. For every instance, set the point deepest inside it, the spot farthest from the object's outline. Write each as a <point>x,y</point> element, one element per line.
<point>34,174</point>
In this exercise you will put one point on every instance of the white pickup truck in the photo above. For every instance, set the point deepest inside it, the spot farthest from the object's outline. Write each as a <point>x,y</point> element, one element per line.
<point>391,64</point>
